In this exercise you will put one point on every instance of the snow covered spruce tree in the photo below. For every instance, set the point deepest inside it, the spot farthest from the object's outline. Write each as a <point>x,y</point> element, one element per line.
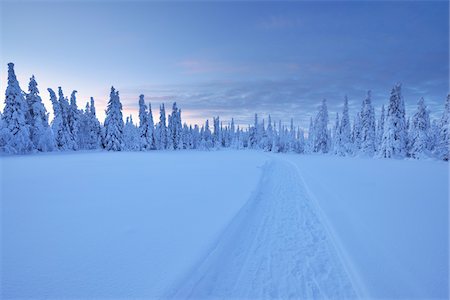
<point>419,131</point>
<point>335,135</point>
<point>90,128</point>
<point>64,139</point>
<point>321,137</point>
<point>443,142</point>
<point>216,136</point>
<point>15,132</point>
<point>37,118</point>
<point>144,130</point>
<point>161,129</point>
<point>131,136</point>
<point>175,129</point>
<point>151,128</point>
<point>95,129</point>
<point>58,127</point>
<point>73,120</point>
<point>380,128</point>
<point>113,139</point>
<point>394,139</point>
<point>367,127</point>
<point>345,144</point>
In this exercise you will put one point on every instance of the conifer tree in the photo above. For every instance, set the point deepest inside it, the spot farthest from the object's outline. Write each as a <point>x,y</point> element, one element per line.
<point>144,132</point>
<point>367,127</point>
<point>345,145</point>
<point>419,131</point>
<point>113,138</point>
<point>321,138</point>
<point>394,135</point>
<point>37,118</point>
<point>15,131</point>
<point>442,147</point>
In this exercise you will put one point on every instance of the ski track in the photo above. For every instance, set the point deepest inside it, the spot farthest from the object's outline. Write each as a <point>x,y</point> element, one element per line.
<point>275,247</point>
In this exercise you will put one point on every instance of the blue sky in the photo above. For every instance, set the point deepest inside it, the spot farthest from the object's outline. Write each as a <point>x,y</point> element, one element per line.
<point>231,58</point>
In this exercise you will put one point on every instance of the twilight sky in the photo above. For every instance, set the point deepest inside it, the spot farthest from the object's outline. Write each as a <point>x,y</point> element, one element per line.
<point>230,58</point>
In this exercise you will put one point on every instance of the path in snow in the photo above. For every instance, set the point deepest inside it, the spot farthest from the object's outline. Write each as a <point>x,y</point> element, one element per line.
<point>275,247</point>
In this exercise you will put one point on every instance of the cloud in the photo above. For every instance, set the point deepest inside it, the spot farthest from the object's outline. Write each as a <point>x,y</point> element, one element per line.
<point>283,99</point>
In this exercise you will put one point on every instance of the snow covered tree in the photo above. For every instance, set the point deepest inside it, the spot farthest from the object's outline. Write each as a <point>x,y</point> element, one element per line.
<point>216,133</point>
<point>419,131</point>
<point>37,118</point>
<point>113,139</point>
<point>321,138</point>
<point>442,147</point>
<point>131,136</point>
<point>58,128</point>
<point>73,120</point>
<point>310,141</point>
<point>254,134</point>
<point>345,145</point>
<point>335,135</point>
<point>15,132</point>
<point>90,129</point>
<point>61,128</point>
<point>394,136</point>
<point>268,145</point>
<point>161,129</point>
<point>151,128</point>
<point>380,128</point>
<point>367,127</point>
<point>95,132</point>
<point>356,133</point>
<point>144,130</point>
<point>175,129</point>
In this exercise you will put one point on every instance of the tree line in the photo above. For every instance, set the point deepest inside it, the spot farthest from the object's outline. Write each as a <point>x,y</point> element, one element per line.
<point>25,128</point>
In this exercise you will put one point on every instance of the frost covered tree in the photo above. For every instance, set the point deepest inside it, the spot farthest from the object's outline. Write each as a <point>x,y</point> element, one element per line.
<point>131,136</point>
<point>367,127</point>
<point>15,132</point>
<point>90,128</point>
<point>68,139</point>
<point>161,129</point>
<point>394,135</point>
<point>310,141</point>
<point>321,137</point>
<point>268,145</point>
<point>335,135</point>
<point>113,138</point>
<point>442,146</point>
<point>345,145</point>
<point>216,136</point>
<point>151,128</point>
<point>144,130</point>
<point>58,125</point>
<point>380,128</point>
<point>254,134</point>
<point>175,129</point>
<point>73,120</point>
<point>41,134</point>
<point>95,132</point>
<point>419,131</point>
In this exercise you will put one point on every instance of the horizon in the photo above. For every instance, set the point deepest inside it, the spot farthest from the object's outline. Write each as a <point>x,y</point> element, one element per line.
<point>228,60</point>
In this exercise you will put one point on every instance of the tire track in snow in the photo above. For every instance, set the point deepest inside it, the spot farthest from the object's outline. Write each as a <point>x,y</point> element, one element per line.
<point>276,247</point>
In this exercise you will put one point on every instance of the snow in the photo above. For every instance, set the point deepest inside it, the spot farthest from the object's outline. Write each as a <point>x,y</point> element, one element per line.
<point>222,224</point>
<point>112,225</point>
<point>390,218</point>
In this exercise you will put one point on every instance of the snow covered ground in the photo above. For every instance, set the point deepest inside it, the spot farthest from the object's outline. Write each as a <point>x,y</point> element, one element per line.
<point>222,224</point>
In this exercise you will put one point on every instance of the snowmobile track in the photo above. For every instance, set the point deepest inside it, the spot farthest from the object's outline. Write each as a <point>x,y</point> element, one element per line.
<point>275,247</point>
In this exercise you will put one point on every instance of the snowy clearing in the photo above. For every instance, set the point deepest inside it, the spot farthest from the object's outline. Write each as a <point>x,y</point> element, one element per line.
<point>222,224</point>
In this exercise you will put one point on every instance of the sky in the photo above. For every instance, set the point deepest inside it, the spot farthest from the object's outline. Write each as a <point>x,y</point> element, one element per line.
<point>231,59</point>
